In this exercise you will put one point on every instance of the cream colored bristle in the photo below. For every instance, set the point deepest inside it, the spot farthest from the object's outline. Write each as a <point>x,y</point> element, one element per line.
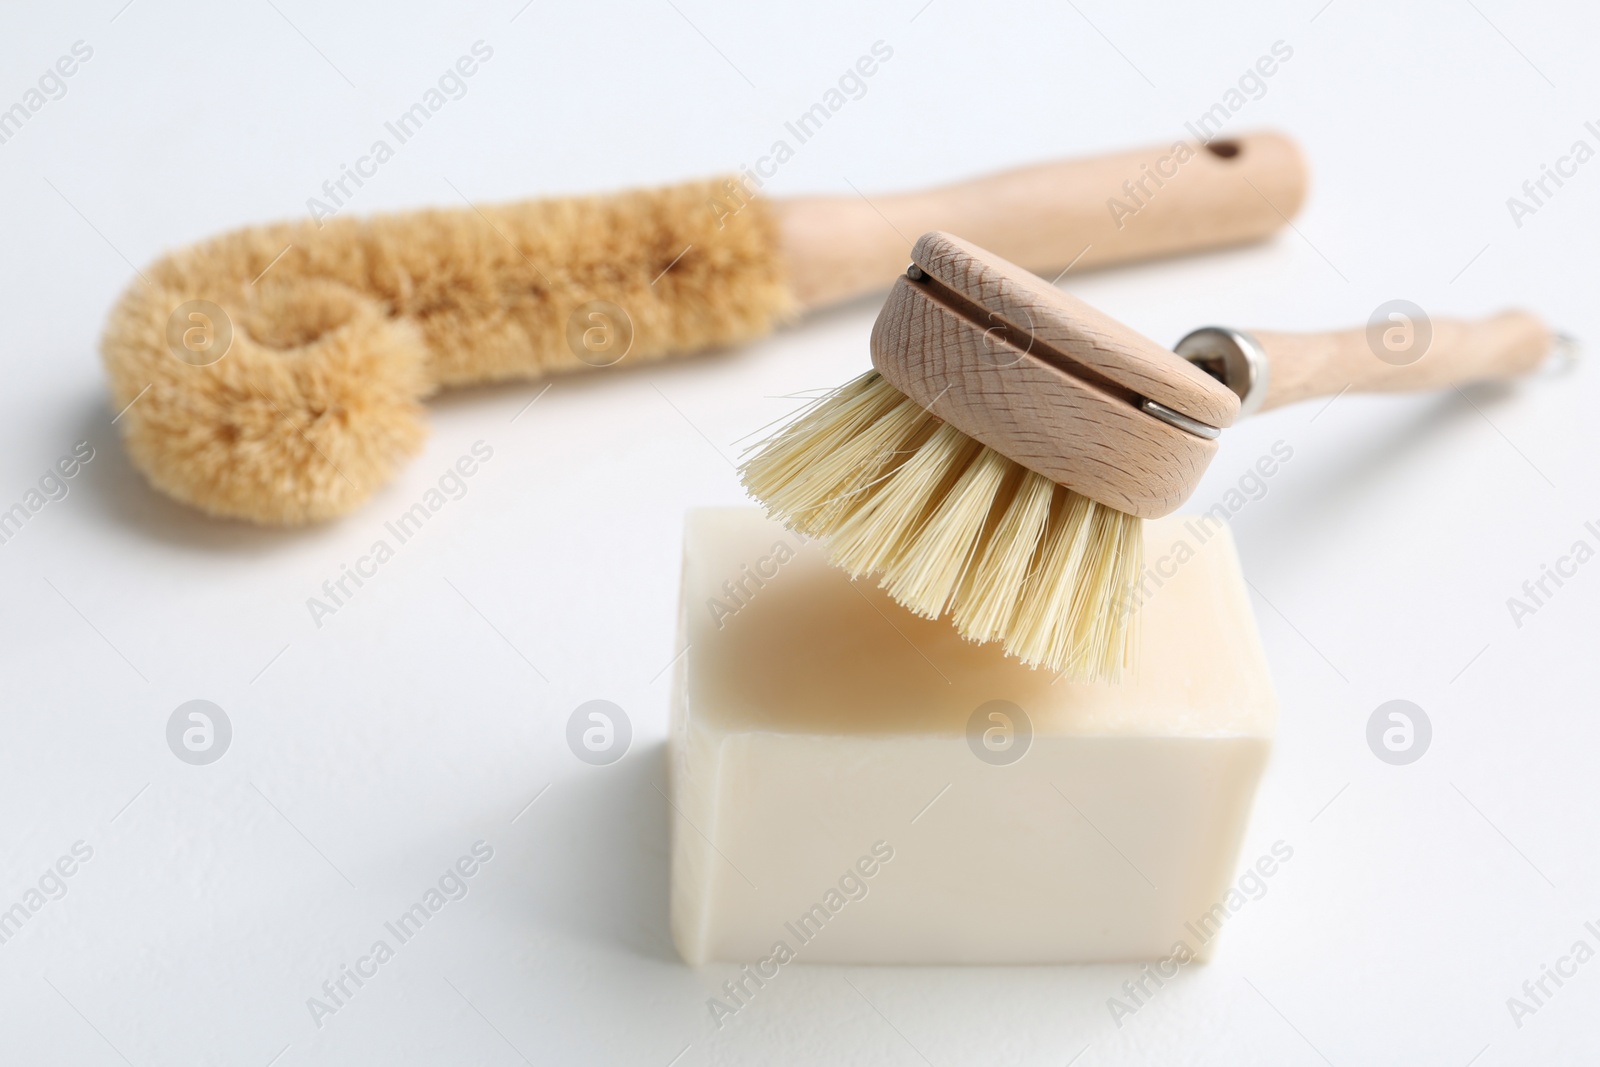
<point>856,474</point>
<point>804,467</point>
<point>875,534</point>
<point>988,600</point>
<point>1041,629</point>
<point>924,574</point>
<point>1104,600</point>
<point>951,525</point>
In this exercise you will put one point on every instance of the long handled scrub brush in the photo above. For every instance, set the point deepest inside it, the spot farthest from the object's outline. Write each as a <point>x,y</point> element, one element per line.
<point>999,459</point>
<point>276,373</point>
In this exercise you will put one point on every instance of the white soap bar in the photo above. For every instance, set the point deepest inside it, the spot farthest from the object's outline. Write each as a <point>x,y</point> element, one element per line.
<point>843,791</point>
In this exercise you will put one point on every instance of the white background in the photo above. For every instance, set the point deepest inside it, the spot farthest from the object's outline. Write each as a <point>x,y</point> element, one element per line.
<point>369,754</point>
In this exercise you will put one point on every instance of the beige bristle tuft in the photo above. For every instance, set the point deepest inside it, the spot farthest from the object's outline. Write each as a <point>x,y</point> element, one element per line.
<point>817,469</point>
<point>892,511</point>
<point>870,458</point>
<point>989,601</point>
<point>951,525</point>
<point>924,574</point>
<point>1041,630</point>
<point>341,327</point>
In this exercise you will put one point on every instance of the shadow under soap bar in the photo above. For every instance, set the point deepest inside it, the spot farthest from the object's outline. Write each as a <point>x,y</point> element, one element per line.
<point>841,787</point>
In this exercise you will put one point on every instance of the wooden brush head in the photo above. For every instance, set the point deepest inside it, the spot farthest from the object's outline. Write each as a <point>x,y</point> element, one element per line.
<point>1046,380</point>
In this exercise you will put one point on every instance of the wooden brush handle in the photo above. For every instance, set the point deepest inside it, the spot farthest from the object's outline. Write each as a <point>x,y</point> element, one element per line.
<point>1065,390</point>
<point>1305,365</point>
<point>1156,201</point>
<point>1044,379</point>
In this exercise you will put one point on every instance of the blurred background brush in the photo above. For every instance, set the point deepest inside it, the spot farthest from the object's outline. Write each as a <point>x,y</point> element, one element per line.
<point>276,373</point>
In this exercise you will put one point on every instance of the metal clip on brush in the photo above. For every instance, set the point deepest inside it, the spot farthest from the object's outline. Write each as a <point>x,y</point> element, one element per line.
<point>1066,390</point>
<point>998,461</point>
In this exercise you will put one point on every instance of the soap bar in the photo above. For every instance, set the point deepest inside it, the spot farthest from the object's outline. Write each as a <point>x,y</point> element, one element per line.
<point>853,784</point>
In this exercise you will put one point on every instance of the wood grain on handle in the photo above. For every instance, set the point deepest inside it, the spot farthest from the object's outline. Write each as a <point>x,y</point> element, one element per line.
<point>1109,209</point>
<point>1305,365</point>
<point>1058,327</point>
<point>1044,379</point>
<point>1023,406</point>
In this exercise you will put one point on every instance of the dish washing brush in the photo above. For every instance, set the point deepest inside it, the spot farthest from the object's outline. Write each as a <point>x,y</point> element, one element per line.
<point>276,373</point>
<point>999,460</point>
